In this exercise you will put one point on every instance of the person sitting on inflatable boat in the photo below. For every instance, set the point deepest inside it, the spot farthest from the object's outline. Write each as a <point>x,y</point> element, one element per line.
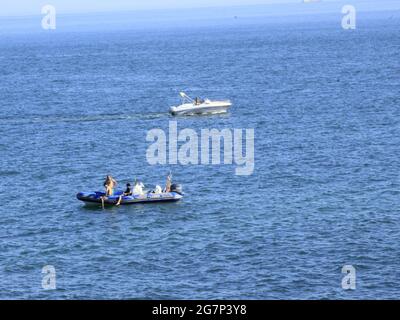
<point>127,192</point>
<point>168,184</point>
<point>138,188</point>
<point>157,190</point>
<point>110,183</point>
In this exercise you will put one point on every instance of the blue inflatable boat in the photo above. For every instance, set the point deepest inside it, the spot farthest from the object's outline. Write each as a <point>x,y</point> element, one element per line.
<point>96,197</point>
<point>99,197</point>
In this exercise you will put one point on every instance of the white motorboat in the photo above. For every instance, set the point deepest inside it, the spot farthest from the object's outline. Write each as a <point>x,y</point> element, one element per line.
<point>191,106</point>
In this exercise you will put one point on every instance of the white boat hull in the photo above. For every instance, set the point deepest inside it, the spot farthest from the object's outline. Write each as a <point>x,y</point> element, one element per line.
<point>214,107</point>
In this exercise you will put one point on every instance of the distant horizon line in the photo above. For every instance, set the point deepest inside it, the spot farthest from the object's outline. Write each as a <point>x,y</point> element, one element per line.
<point>177,9</point>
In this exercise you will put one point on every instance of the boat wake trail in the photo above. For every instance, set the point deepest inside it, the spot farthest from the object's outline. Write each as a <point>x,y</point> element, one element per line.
<point>82,118</point>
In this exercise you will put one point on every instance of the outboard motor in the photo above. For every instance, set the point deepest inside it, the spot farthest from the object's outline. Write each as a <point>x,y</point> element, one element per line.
<point>176,188</point>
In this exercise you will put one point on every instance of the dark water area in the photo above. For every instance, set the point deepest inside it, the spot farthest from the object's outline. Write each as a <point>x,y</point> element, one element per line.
<point>324,104</point>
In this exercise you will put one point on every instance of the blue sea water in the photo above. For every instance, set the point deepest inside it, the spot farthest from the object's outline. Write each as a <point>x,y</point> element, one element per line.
<point>324,103</point>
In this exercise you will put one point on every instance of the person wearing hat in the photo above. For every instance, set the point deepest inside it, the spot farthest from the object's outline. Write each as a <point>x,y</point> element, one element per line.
<point>127,192</point>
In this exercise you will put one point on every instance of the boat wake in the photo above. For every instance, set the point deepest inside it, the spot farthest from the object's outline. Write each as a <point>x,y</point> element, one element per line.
<point>83,118</point>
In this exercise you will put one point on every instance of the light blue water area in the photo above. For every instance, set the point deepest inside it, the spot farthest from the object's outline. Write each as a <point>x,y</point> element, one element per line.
<point>324,103</point>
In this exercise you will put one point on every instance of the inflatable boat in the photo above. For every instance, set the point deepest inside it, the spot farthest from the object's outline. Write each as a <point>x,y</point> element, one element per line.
<point>96,197</point>
<point>99,197</point>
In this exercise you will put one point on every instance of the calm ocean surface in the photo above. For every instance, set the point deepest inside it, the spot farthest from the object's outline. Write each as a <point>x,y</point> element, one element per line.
<point>325,106</point>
